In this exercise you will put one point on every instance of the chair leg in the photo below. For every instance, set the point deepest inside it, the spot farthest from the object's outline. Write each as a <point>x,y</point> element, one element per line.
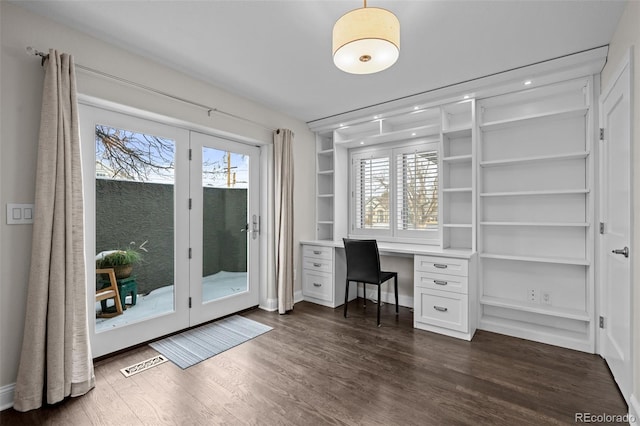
<point>346,298</point>
<point>395,282</point>
<point>379,302</point>
<point>364,295</point>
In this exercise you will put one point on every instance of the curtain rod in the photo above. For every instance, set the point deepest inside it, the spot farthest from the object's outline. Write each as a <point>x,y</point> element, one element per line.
<point>209,109</point>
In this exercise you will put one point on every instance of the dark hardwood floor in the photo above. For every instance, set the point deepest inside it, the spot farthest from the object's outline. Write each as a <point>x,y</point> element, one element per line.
<point>316,367</point>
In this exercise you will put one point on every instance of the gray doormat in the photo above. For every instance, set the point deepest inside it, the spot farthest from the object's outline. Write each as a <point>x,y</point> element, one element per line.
<point>198,344</point>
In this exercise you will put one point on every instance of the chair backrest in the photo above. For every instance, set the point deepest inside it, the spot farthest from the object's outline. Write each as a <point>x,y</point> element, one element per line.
<point>363,260</point>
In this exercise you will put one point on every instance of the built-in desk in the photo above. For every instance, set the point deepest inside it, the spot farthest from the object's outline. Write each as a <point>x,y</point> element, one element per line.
<point>444,299</point>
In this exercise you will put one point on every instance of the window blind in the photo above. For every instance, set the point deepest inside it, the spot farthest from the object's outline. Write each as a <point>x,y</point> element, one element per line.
<point>417,190</point>
<point>372,208</point>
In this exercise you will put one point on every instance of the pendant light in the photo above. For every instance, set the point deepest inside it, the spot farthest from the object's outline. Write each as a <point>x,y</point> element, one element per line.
<point>366,40</point>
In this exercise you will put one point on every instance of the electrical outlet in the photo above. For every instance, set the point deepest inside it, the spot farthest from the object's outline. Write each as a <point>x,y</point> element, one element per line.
<point>532,295</point>
<point>546,297</point>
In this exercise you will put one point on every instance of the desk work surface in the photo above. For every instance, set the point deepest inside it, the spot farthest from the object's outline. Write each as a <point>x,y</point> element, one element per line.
<point>385,247</point>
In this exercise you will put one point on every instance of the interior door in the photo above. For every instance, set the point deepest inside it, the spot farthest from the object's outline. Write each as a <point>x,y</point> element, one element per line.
<point>136,183</point>
<point>225,227</point>
<point>615,303</point>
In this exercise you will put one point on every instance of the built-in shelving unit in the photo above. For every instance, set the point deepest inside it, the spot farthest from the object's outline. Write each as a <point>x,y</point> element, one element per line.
<point>535,213</point>
<point>457,175</point>
<point>324,185</point>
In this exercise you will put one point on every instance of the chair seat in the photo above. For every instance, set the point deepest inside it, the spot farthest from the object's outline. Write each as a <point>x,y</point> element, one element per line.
<point>385,276</point>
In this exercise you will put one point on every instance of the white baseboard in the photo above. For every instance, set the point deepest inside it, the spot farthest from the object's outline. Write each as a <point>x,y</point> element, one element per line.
<point>634,410</point>
<point>387,297</point>
<point>272,304</point>
<point>6,396</point>
<point>269,305</point>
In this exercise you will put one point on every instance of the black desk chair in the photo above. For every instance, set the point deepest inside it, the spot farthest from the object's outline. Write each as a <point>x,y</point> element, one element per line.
<point>363,266</point>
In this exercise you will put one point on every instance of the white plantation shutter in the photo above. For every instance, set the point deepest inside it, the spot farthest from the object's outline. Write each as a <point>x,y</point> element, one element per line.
<point>417,190</point>
<point>395,192</point>
<point>371,191</point>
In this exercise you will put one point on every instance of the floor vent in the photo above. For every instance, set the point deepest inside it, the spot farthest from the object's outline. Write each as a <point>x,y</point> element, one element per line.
<point>144,365</point>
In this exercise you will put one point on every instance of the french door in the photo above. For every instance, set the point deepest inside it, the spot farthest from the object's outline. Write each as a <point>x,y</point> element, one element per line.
<point>185,202</point>
<point>225,226</point>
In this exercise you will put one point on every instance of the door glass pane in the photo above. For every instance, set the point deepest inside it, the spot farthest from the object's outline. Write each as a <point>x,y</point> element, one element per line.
<point>135,176</point>
<point>225,177</point>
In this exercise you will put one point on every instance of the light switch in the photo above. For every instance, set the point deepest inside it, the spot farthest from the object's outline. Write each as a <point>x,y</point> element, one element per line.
<point>19,214</point>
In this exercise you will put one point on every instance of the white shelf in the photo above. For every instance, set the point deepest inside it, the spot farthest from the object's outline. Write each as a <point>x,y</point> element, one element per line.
<point>558,260</point>
<point>458,132</point>
<point>574,314</point>
<point>457,225</point>
<point>420,131</point>
<point>458,159</point>
<point>325,195</point>
<point>325,222</point>
<point>325,172</point>
<point>535,193</point>
<point>326,152</point>
<point>541,158</point>
<point>456,190</point>
<point>559,114</point>
<point>543,224</point>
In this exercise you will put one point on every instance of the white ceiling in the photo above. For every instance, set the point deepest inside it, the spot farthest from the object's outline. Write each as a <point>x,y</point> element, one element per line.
<point>278,53</point>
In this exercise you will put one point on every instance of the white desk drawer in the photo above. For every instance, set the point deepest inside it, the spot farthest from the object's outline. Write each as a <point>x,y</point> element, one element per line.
<point>442,309</point>
<point>318,285</point>
<point>442,282</point>
<point>317,264</point>
<point>317,252</point>
<point>442,265</point>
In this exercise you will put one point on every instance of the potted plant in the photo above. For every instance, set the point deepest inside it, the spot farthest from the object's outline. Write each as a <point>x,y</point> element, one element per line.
<point>121,261</point>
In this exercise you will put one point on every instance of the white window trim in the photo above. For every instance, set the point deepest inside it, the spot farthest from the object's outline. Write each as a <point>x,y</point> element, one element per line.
<point>427,237</point>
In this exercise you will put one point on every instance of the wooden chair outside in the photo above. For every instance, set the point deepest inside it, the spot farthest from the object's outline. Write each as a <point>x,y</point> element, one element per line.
<point>110,292</point>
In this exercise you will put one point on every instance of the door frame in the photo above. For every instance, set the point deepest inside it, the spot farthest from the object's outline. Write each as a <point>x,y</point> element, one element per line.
<point>626,63</point>
<point>266,276</point>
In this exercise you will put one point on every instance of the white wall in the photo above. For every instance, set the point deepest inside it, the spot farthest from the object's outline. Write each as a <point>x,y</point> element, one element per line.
<point>628,35</point>
<point>21,79</point>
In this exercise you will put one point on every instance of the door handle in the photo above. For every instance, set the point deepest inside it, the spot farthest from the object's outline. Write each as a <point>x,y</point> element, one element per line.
<point>624,251</point>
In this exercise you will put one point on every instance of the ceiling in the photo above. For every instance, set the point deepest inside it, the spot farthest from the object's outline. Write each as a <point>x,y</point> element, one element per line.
<point>278,53</point>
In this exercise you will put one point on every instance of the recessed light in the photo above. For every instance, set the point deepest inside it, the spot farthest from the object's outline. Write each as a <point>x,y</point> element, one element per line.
<point>361,142</point>
<point>527,83</point>
<point>466,97</point>
<point>415,108</point>
<point>375,117</point>
<point>413,134</point>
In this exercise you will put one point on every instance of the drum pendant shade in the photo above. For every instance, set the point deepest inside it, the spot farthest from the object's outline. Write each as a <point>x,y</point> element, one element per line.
<point>366,40</point>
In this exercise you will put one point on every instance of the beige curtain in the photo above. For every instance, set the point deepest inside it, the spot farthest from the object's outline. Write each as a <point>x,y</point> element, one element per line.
<point>283,171</point>
<point>56,358</point>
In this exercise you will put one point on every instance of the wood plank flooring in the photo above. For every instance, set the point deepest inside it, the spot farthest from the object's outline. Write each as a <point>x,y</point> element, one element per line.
<point>316,367</point>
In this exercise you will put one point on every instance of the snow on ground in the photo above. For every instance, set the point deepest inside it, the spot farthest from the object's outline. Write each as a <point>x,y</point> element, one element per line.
<point>160,300</point>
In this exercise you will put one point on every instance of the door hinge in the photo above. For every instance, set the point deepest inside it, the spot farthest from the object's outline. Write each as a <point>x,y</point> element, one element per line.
<point>190,154</point>
<point>602,227</point>
<point>190,203</point>
<point>190,252</point>
<point>601,322</point>
<point>189,302</point>
<point>601,134</point>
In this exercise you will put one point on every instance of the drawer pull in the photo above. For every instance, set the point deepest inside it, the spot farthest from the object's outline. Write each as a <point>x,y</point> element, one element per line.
<point>317,252</point>
<point>317,285</point>
<point>440,282</point>
<point>440,308</point>
<point>317,265</point>
<point>440,266</point>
